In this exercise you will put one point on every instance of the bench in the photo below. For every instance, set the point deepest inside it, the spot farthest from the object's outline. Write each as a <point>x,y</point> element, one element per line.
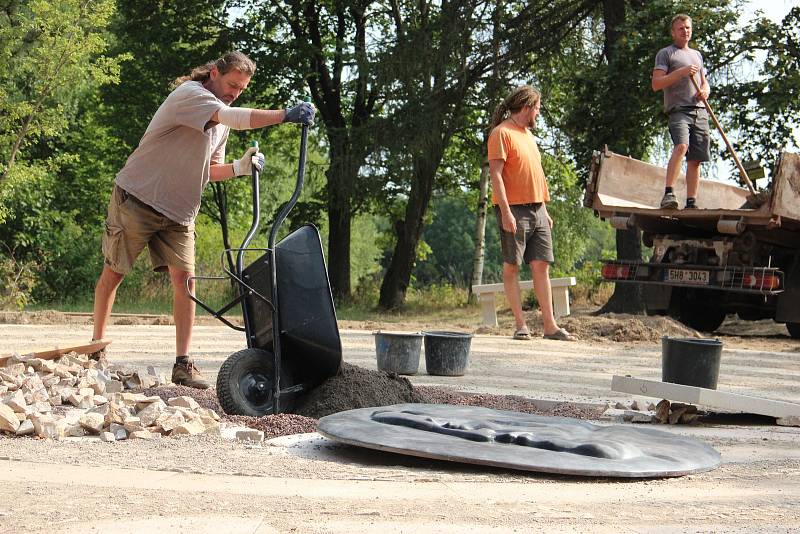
<point>486,296</point>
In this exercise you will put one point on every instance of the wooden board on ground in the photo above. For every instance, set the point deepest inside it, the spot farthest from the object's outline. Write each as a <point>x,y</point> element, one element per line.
<point>54,353</point>
<point>705,397</point>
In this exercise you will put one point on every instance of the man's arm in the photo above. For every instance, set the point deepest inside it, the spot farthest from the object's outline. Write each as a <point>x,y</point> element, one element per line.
<point>662,80</point>
<point>705,89</point>
<point>259,118</point>
<point>499,188</point>
<point>221,172</point>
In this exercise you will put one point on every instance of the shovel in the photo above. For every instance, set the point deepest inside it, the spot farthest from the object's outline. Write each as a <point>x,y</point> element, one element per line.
<point>754,199</point>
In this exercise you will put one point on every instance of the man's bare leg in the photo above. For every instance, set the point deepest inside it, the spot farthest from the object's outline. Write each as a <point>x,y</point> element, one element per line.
<point>675,163</point>
<point>540,270</point>
<point>104,294</point>
<point>511,285</point>
<point>183,309</point>
<point>692,178</point>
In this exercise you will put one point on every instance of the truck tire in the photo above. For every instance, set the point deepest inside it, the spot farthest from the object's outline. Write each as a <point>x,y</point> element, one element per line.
<point>245,384</point>
<point>794,330</point>
<point>701,318</point>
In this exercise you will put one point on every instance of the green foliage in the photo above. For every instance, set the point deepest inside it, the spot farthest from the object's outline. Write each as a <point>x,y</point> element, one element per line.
<point>45,43</point>
<point>766,108</point>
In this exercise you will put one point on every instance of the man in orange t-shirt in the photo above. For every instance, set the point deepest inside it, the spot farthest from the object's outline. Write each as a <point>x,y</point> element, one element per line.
<point>519,194</point>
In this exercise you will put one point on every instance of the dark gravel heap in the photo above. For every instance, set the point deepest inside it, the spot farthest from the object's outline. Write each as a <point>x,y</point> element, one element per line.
<point>515,403</point>
<point>355,387</point>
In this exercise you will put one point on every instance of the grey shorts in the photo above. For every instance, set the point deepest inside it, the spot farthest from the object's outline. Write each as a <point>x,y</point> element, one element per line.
<point>689,126</point>
<point>533,240</point>
<point>132,225</point>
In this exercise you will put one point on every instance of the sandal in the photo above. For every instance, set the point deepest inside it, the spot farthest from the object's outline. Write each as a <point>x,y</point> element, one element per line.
<point>522,334</point>
<point>561,335</point>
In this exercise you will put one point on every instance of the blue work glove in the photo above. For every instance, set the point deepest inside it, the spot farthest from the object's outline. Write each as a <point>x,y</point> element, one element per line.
<point>251,158</point>
<point>302,113</point>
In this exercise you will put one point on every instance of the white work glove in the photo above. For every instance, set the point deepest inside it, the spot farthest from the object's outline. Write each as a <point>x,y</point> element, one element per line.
<point>244,166</point>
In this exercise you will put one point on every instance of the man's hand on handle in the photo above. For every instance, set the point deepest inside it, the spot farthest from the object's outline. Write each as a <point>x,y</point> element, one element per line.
<point>244,166</point>
<point>302,113</point>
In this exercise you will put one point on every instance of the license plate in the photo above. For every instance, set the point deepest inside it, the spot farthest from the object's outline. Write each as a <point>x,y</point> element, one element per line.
<point>687,276</point>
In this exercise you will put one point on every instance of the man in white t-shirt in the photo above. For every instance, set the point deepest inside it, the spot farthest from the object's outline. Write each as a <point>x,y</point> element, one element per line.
<point>157,193</point>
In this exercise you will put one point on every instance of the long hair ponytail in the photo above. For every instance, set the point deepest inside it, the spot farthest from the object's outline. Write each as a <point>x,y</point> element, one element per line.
<point>524,95</point>
<point>232,60</point>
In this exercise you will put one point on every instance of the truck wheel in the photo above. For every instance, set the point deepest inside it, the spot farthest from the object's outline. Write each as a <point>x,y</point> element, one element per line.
<point>701,318</point>
<point>245,384</point>
<point>794,330</point>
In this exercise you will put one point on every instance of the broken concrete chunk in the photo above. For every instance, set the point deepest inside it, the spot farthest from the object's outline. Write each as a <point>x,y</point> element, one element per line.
<point>113,386</point>
<point>25,428</point>
<point>8,419</point>
<point>143,434</point>
<point>250,434</point>
<point>119,431</point>
<point>92,422</point>
<point>189,427</point>
<point>107,436</point>
<point>16,401</point>
<point>184,402</point>
<point>662,411</point>
<point>133,424</point>
<point>675,416</point>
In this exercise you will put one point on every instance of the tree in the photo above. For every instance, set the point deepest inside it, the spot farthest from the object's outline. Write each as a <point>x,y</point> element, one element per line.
<point>43,44</point>
<point>324,46</point>
<point>440,60</point>
<point>766,108</point>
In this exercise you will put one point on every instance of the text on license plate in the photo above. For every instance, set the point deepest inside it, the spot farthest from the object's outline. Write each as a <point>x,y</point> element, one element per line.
<point>687,276</point>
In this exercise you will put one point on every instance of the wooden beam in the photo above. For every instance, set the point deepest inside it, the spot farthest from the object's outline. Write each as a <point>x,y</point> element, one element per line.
<point>55,353</point>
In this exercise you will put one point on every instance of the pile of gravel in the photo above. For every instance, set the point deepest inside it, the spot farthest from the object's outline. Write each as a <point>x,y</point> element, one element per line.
<point>514,403</point>
<point>355,387</point>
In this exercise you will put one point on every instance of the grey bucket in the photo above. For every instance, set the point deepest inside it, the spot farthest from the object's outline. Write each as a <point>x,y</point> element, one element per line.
<point>691,362</point>
<point>398,352</point>
<point>447,353</point>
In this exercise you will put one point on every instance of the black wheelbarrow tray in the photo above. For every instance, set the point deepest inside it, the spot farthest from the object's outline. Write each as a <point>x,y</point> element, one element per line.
<point>285,290</point>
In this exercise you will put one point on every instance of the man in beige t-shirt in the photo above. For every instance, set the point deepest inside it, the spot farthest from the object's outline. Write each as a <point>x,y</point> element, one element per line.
<point>157,193</point>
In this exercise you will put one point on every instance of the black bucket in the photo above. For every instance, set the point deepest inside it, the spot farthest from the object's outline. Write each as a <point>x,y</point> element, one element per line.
<point>691,362</point>
<point>447,353</point>
<point>398,352</point>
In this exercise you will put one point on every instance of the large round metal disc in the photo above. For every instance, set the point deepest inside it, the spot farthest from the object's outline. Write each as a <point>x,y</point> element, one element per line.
<point>520,441</point>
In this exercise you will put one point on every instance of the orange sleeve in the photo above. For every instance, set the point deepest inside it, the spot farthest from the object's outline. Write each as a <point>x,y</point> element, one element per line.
<point>497,145</point>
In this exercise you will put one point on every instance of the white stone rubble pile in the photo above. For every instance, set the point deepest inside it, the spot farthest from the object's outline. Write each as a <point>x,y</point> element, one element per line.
<point>75,396</point>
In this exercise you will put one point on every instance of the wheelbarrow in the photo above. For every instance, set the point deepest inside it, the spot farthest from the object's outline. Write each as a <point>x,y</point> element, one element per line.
<point>285,291</point>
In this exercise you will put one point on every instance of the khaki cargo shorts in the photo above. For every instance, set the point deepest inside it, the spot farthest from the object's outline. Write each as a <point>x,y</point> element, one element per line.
<point>131,225</point>
<point>533,240</point>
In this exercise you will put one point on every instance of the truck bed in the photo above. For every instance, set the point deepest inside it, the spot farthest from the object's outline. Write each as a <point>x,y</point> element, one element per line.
<point>628,192</point>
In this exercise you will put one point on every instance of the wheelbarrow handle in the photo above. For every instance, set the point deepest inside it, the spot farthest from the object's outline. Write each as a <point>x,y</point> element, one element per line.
<point>298,189</point>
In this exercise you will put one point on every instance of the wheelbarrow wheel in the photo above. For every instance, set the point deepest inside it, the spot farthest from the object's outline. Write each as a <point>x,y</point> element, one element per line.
<point>245,384</point>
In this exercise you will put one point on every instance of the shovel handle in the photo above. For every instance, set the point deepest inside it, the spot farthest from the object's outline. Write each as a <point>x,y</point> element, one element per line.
<point>742,172</point>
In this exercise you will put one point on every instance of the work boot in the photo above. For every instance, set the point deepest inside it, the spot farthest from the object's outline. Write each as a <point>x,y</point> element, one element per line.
<point>669,202</point>
<point>185,373</point>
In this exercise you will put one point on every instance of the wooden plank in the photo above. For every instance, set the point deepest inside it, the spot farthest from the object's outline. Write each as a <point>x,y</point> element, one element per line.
<point>732,402</point>
<point>53,354</point>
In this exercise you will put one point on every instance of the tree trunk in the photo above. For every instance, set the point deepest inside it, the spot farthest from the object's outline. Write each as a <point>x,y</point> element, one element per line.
<point>627,298</point>
<point>341,176</point>
<point>395,282</point>
<point>480,229</point>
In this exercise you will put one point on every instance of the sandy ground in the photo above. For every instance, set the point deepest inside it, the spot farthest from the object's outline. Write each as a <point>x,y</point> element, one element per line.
<point>308,484</point>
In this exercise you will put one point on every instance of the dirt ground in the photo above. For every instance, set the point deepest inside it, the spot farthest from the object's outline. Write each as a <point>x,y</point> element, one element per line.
<point>305,483</point>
